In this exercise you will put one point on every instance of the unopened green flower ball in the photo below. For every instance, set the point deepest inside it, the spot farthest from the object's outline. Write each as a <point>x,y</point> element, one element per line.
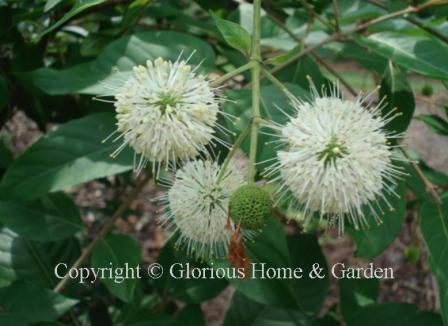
<point>250,206</point>
<point>427,90</point>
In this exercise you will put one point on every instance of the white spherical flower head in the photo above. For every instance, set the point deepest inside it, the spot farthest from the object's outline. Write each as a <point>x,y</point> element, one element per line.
<point>197,207</point>
<point>337,157</point>
<point>166,112</point>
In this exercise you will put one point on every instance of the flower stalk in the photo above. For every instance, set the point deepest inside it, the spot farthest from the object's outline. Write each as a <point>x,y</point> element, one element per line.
<point>255,58</point>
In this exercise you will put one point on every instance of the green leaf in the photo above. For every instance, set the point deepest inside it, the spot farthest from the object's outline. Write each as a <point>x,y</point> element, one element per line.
<point>5,156</point>
<point>49,218</point>
<point>192,291</point>
<point>244,311</point>
<point>22,259</point>
<point>283,57</point>
<point>134,11</point>
<point>114,65</point>
<point>434,226</point>
<point>298,74</point>
<point>268,250</point>
<point>305,252</point>
<point>372,242</point>
<point>50,4</point>
<point>398,93</point>
<point>420,54</point>
<point>79,6</point>
<point>234,34</point>
<point>190,315</point>
<point>394,313</point>
<point>435,123</point>
<point>354,294</point>
<point>23,303</point>
<point>369,60</point>
<point>118,251</point>
<point>71,155</point>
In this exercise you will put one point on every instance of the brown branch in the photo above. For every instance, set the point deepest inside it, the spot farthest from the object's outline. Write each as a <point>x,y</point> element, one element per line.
<point>340,35</point>
<point>429,186</point>
<point>414,21</point>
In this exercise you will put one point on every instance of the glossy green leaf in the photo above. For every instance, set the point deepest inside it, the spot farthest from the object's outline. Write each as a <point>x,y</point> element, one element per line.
<point>134,12</point>
<point>373,241</point>
<point>423,55</point>
<point>5,156</point>
<point>174,283</point>
<point>434,226</point>
<point>118,251</point>
<point>299,73</point>
<point>354,294</point>
<point>71,155</point>
<point>398,95</point>
<point>394,313</point>
<point>24,303</point>
<point>113,66</point>
<point>49,218</point>
<point>50,4</point>
<point>22,259</point>
<point>234,34</point>
<point>79,6</point>
<point>435,123</point>
<point>367,59</point>
<point>245,311</point>
<point>190,315</point>
<point>305,252</point>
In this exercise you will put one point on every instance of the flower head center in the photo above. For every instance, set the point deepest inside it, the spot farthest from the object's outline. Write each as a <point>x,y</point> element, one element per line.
<point>334,150</point>
<point>167,99</point>
<point>213,196</point>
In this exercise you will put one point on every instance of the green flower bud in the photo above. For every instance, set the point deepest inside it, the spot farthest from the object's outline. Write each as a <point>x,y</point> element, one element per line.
<point>250,206</point>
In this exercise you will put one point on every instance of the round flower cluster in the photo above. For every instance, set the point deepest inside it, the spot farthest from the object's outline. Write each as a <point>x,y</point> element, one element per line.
<point>337,158</point>
<point>197,206</point>
<point>166,112</point>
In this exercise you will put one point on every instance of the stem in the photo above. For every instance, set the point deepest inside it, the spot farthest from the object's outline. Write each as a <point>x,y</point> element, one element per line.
<point>336,14</point>
<point>334,73</point>
<point>231,74</point>
<point>255,57</point>
<point>429,187</point>
<point>232,151</point>
<point>107,227</point>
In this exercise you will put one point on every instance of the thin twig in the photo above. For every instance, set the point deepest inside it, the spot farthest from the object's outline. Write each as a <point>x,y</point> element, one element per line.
<point>429,186</point>
<point>218,81</point>
<point>280,24</point>
<point>339,35</point>
<point>336,14</point>
<point>107,227</point>
<point>311,10</point>
<point>334,73</point>
<point>414,21</point>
